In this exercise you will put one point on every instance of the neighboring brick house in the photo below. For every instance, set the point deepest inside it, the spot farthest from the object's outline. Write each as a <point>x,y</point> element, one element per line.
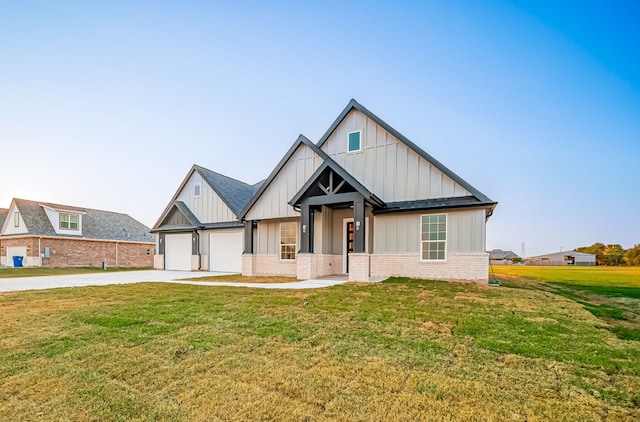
<point>54,235</point>
<point>363,201</point>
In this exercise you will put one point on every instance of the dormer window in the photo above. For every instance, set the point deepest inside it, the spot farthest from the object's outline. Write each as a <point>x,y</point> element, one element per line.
<point>69,221</point>
<point>197,190</point>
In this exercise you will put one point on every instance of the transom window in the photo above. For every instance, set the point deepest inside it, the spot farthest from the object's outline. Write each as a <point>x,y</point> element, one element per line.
<point>288,234</point>
<point>354,141</point>
<point>197,188</point>
<point>434,237</point>
<point>69,221</point>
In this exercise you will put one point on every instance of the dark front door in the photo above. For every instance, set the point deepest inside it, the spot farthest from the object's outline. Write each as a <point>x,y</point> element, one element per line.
<point>350,241</point>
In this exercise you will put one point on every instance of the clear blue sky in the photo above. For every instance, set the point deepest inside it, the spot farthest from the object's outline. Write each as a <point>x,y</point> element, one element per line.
<point>537,104</point>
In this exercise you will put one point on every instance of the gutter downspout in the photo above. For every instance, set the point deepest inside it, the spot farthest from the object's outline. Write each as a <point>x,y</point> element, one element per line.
<point>39,253</point>
<point>117,253</point>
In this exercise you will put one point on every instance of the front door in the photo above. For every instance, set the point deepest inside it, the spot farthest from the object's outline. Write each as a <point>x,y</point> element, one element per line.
<point>349,243</point>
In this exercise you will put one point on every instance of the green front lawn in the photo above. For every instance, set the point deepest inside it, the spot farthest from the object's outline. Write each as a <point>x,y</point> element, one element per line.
<point>397,350</point>
<point>44,271</point>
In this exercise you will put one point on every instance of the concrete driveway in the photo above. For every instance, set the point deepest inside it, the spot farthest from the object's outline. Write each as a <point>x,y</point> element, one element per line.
<point>127,277</point>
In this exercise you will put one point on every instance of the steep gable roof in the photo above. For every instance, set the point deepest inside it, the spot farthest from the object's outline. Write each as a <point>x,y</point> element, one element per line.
<point>302,140</point>
<point>96,224</point>
<point>330,164</point>
<point>234,193</point>
<point>3,216</point>
<point>353,104</point>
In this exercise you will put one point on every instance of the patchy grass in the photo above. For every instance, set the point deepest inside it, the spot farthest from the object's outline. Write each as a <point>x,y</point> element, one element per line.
<point>398,350</point>
<point>609,293</point>
<point>239,278</point>
<point>45,271</point>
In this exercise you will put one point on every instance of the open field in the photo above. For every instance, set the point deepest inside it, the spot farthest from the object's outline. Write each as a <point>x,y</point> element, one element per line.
<point>44,271</point>
<point>398,350</point>
<point>609,293</point>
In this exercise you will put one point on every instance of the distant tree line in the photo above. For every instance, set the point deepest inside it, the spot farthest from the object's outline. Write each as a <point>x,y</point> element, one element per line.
<point>613,254</point>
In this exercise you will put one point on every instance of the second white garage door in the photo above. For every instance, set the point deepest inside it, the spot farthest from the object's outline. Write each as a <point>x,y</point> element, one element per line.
<point>177,252</point>
<point>225,251</point>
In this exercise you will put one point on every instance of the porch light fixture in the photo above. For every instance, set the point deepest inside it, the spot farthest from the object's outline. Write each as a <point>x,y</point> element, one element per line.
<point>304,228</point>
<point>357,225</point>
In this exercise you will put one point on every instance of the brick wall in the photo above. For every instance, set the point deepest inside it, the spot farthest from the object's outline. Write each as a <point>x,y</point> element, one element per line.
<point>77,252</point>
<point>271,265</point>
<point>469,267</point>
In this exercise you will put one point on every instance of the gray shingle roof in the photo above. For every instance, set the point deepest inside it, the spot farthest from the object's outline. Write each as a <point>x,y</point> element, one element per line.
<point>234,193</point>
<point>499,254</point>
<point>3,216</point>
<point>96,224</point>
<point>434,204</point>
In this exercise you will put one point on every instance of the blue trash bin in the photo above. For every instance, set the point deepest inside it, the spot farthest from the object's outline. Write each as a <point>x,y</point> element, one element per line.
<point>17,261</point>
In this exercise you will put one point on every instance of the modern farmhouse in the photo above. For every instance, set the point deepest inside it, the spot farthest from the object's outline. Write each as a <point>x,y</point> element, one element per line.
<point>363,201</point>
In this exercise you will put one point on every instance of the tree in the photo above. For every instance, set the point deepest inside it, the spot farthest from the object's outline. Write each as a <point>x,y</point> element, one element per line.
<point>596,249</point>
<point>614,254</point>
<point>632,256</point>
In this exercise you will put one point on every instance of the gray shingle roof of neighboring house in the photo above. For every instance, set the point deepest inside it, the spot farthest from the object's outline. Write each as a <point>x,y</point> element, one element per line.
<point>499,254</point>
<point>3,216</point>
<point>96,224</point>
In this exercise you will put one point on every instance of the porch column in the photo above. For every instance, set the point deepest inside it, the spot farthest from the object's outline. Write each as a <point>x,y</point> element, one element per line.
<point>359,229</point>
<point>248,237</point>
<point>306,228</point>
<point>359,259</point>
<point>248,258</point>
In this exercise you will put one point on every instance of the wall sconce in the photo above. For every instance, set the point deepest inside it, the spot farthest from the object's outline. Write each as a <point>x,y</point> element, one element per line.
<point>304,228</point>
<point>357,225</point>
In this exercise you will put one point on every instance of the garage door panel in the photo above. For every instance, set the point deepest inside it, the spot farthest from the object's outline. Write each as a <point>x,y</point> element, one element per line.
<point>177,252</point>
<point>225,251</point>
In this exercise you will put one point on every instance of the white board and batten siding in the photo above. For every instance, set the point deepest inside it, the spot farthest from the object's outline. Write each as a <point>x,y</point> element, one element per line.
<point>274,201</point>
<point>9,224</point>
<point>208,207</point>
<point>177,253</point>
<point>225,251</point>
<point>401,233</point>
<point>386,166</point>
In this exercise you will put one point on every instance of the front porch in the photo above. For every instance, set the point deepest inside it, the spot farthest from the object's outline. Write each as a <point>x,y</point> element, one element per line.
<point>334,231</point>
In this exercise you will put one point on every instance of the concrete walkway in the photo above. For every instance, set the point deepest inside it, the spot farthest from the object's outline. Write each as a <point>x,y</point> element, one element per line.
<point>127,277</point>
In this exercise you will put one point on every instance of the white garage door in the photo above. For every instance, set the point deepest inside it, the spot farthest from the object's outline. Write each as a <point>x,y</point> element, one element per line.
<point>225,251</point>
<point>16,251</point>
<point>177,252</point>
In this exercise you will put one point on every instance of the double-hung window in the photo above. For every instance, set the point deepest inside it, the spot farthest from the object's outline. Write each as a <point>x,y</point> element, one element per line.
<point>69,221</point>
<point>434,237</point>
<point>288,237</point>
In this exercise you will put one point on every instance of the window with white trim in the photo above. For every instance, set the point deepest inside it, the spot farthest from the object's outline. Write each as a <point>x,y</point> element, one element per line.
<point>197,190</point>
<point>354,141</point>
<point>288,237</point>
<point>16,219</point>
<point>434,237</point>
<point>69,221</point>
